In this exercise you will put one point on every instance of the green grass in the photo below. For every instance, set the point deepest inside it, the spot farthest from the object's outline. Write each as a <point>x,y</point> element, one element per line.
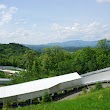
<point>99,100</point>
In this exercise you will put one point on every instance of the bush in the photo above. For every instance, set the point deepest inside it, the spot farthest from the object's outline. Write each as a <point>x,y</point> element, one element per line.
<point>46,98</point>
<point>91,89</point>
<point>3,75</point>
<point>98,86</point>
<point>7,105</point>
<point>84,90</point>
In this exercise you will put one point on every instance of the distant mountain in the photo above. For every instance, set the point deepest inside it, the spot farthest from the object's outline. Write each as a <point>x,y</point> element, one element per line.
<point>75,43</point>
<point>66,45</point>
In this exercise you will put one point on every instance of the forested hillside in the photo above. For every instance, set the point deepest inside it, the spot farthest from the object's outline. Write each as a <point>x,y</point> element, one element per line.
<point>55,60</point>
<point>13,54</point>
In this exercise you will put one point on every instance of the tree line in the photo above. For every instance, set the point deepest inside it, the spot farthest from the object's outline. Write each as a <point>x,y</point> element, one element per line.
<point>56,61</point>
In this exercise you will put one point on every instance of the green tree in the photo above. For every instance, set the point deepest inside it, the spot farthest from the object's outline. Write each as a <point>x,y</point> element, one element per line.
<point>29,57</point>
<point>46,98</point>
<point>104,43</point>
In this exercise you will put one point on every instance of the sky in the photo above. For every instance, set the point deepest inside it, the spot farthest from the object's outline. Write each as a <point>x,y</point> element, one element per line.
<point>45,21</point>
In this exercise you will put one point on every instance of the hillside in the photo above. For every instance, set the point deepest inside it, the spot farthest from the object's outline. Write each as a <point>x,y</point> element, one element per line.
<point>12,54</point>
<point>13,48</point>
<point>99,100</point>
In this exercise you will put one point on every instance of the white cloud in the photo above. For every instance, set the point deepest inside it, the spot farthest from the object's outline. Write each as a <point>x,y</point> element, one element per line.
<point>103,1</point>
<point>91,31</point>
<point>6,14</point>
<point>13,10</point>
<point>22,36</point>
<point>57,33</point>
<point>2,6</point>
<point>20,22</point>
<point>34,26</point>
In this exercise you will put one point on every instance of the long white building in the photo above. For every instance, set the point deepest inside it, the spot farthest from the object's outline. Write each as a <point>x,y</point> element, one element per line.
<point>37,88</point>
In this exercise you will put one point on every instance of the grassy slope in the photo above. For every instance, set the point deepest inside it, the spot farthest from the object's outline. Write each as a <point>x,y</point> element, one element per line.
<point>99,100</point>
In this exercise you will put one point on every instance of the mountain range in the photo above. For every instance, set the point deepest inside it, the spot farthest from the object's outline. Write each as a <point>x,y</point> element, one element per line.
<point>67,44</point>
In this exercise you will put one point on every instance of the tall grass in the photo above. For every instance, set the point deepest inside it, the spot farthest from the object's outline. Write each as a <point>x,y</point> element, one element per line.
<point>98,100</point>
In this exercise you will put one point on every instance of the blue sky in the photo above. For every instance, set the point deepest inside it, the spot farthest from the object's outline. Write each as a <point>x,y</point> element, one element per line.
<point>45,21</point>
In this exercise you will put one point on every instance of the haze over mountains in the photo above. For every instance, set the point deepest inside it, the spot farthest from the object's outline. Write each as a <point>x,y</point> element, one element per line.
<point>71,44</point>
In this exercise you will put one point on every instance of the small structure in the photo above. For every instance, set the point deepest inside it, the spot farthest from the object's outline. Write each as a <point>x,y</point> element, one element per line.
<point>10,69</point>
<point>10,72</point>
<point>37,88</point>
<point>4,80</point>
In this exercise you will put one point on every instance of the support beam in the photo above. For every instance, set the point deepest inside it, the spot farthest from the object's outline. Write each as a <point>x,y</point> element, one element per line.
<point>17,101</point>
<point>54,94</point>
<point>39,99</point>
<point>3,102</point>
<point>30,101</point>
<point>64,91</point>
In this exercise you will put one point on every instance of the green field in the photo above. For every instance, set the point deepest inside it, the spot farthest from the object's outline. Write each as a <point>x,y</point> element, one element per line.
<point>98,100</point>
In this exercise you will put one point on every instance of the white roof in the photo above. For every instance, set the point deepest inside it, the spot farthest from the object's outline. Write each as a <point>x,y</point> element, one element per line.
<point>4,79</point>
<point>95,72</point>
<point>36,85</point>
<point>102,75</point>
<point>9,71</point>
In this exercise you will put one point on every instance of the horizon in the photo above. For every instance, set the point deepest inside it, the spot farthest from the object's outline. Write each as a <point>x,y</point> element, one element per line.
<point>52,42</point>
<point>42,22</point>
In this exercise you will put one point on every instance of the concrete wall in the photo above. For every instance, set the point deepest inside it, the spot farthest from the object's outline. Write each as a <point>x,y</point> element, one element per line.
<point>54,89</point>
<point>32,95</point>
<point>8,99</point>
<point>70,84</point>
<point>64,86</point>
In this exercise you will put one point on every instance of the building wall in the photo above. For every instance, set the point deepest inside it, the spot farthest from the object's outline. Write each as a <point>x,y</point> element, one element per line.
<point>70,84</point>
<point>54,89</point>
<point>8,99</point>
<point>32,95</point>
<point>66,85</point>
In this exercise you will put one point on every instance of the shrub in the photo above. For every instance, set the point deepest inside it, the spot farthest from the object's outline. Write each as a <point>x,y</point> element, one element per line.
<point>91,89</point>
<point>7,105</point>
<point>84,90</point>
<point>46,98</point>
<point>98,86</point>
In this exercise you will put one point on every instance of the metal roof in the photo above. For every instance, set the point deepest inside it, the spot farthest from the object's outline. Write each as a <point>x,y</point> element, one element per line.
<point>36,85</point>
<point>96,76</point>
<point>4,79</point>
<point>9,71</point>
<point>95,72</point>
<point>10,67</point>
